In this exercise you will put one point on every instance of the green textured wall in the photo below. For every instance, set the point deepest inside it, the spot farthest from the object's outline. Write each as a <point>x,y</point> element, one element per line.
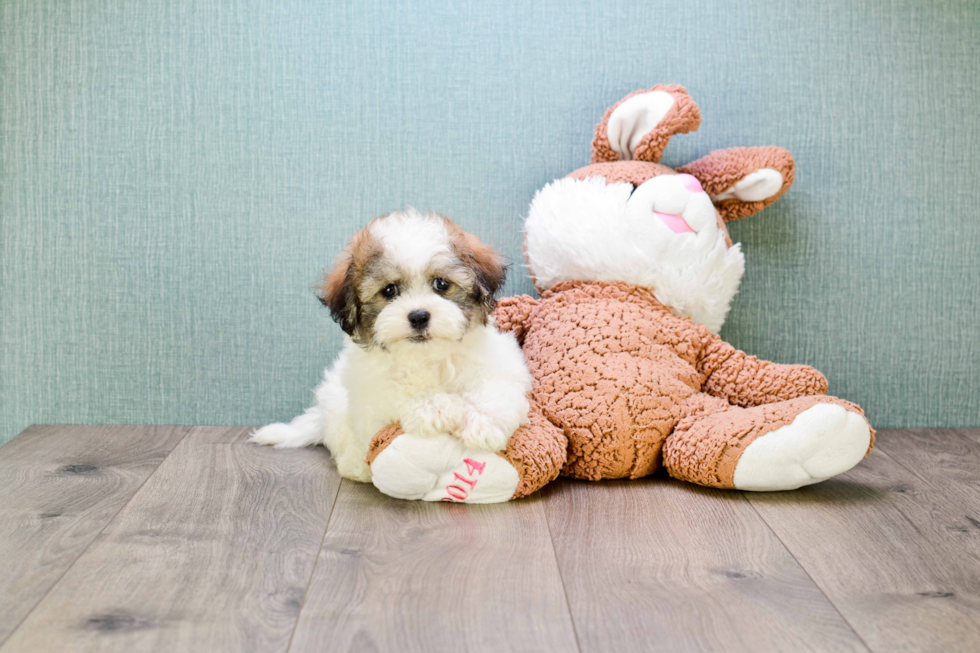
<point>175,175</point>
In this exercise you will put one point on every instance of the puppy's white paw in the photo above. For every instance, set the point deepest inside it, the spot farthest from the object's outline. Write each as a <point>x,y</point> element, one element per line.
<point>479,432</point>
<point>438,413</point>
<point>442,468</point>
<point>820,442</point>
<point>353,465</point>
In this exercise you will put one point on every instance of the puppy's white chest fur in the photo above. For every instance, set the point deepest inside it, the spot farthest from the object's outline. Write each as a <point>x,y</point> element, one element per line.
<point>475,388</point>
<point>419,373</point>
<point>405,372</point>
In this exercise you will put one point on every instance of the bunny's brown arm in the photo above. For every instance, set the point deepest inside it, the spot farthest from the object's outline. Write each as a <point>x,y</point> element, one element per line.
<point>513,314</point>
<point>746,381</point>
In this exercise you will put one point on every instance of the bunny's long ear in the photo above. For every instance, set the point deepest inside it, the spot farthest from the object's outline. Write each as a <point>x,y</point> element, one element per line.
<point>640,125</point>
<point>742,181</point>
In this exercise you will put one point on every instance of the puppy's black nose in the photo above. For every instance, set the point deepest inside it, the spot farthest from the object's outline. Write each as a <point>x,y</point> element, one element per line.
<point>419,319</point>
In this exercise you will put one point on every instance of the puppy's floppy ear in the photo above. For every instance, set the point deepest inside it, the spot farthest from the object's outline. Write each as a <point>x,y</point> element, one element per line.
<point>487,265</point>
<point>337,293</point>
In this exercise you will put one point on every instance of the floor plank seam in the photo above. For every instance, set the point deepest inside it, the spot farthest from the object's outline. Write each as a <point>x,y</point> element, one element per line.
<point>187,429</point>
<point>807,572</point>
<point>561,577</point>
<point>316,561</point>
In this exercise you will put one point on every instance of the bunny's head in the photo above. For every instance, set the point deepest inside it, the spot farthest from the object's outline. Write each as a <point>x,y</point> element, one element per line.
<point>626,217</point>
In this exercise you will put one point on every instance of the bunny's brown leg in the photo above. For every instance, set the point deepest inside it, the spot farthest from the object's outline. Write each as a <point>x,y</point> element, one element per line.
<point>777,446</point>
<point>537,451</point>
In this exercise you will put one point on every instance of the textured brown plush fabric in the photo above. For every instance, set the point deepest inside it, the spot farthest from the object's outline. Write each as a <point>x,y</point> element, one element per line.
<point>722,169</point>
<point>382,439</point>
<point>537,451</point>
<point>514,314</point>
<point>631,172</point>
<point>745,380</point>
<point>683,117</point>
<point>706,445</point>
<point>612,368</point>
<point>617,372</point>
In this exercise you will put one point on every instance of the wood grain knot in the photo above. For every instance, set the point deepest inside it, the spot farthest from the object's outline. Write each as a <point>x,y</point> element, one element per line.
<point>78,469</point>
<point>293,598</point>
<point>738,574</point>
<point>117,622</point>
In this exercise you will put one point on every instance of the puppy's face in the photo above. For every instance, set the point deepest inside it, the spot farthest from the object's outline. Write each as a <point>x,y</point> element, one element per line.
<point>413,278</point>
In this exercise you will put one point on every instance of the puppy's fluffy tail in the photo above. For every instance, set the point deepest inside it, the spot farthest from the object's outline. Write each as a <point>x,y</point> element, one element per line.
<point>304,431</point>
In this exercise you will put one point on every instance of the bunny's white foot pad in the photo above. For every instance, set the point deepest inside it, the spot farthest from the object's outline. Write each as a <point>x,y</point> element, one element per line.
<point>820,442</point>
<point>442,468</point>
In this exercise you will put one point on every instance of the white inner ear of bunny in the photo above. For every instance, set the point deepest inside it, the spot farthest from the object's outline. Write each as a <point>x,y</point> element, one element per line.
<point>760,185</point>
<point>634,119</point>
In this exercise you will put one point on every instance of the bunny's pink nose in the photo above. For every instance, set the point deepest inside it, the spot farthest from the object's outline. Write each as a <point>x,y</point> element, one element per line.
<point>691,183</point>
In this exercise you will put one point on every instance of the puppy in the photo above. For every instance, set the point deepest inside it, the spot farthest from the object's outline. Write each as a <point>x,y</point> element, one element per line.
<point>415,295</point>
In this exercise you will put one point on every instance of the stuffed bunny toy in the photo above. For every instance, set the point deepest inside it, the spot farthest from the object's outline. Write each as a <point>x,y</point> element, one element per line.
<point>636,272</point>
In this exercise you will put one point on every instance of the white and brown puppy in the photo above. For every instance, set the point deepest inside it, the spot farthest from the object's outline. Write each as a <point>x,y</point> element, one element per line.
<point>415,295</point>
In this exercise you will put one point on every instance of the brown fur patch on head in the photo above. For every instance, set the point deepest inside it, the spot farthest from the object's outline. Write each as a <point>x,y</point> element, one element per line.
<point>338,290</point>
<point>631,172</point>
<point>487,265</point>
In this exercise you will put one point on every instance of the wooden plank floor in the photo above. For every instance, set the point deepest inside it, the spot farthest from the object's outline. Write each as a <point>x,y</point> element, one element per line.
<point>188,539</point>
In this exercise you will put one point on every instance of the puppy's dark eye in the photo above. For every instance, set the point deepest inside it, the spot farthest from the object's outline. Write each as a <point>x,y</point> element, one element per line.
<point>440,285</point>
<point>389,291</point>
